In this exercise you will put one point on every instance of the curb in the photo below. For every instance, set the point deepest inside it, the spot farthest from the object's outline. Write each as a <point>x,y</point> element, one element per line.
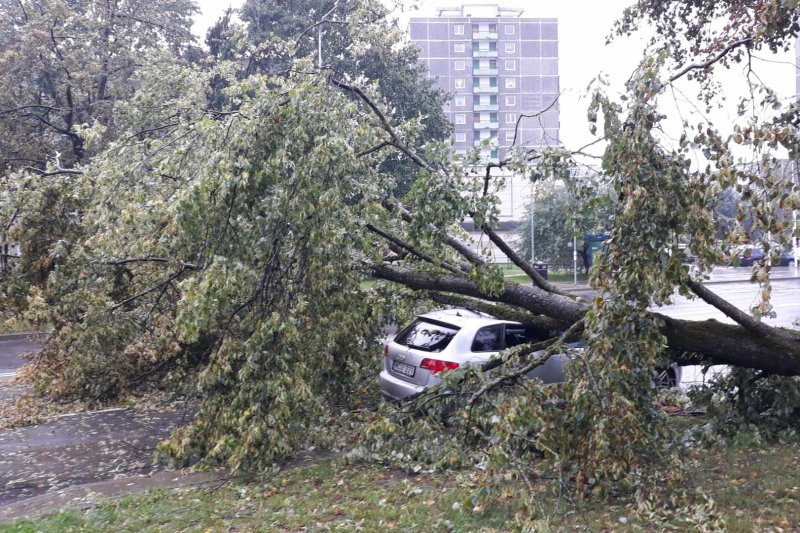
<point>21,336</point>
<point>89,495</point>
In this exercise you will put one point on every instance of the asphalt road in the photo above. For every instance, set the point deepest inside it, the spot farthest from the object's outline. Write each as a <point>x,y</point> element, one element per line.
<point>74,449</point>
<point>81,448</point>
<point>785,299</point>
<point>10,351</point>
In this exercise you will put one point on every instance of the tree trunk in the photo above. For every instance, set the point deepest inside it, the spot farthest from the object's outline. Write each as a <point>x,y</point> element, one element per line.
<point>709,341</point>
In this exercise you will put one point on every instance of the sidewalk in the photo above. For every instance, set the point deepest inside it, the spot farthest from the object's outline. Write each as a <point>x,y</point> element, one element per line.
<point>91,494</point>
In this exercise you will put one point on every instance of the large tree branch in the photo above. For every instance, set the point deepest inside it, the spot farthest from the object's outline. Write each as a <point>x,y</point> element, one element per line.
<point>733,312</point>
<point>522,263</point>
<point>498,310</point>
<point>532,299</point>
<point>412,250</point>
<point>774,352</point>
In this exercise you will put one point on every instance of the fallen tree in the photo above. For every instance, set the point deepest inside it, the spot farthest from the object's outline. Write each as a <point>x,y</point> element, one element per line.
<point>225,253</point>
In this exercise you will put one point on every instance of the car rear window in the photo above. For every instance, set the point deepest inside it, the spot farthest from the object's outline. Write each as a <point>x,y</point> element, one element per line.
<point>427,335</point>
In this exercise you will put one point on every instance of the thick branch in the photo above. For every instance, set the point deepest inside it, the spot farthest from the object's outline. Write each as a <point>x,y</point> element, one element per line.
<point>775,352</point>
<point>414,251</point>
<point>522,263</point>
<point>532,299</point>
<point>504,312</point>
<point>731,311</point>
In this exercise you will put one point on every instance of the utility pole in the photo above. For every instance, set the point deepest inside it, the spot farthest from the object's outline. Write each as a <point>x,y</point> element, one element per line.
<point>319,45</point>
<point>533,224</point>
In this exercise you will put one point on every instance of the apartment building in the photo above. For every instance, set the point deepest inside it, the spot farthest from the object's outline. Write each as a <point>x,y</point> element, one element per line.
<point>502,71</point>
<point>500,68</point>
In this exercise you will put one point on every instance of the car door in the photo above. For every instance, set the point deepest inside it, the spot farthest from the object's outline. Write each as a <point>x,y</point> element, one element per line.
<point>551,371</point>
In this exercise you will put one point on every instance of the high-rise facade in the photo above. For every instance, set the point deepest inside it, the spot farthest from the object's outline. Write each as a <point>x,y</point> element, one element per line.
<point>502,72</point>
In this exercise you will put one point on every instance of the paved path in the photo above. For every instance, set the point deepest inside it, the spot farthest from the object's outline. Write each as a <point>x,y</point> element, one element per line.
<point>81,448</point>
<point>11,348</point>
<point>74,449</point>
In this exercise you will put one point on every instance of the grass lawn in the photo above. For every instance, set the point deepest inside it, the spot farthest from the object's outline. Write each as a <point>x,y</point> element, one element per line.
<point>752,489</point>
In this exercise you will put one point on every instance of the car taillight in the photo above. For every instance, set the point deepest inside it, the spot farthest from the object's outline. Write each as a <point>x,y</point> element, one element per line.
<point>437,365</point>
<point>386,350</point>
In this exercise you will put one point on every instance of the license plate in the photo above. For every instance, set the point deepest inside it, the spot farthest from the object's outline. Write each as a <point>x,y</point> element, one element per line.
<point>403,368</point>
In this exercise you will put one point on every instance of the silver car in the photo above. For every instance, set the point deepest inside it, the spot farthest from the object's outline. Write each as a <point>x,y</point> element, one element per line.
<point>447,339</point>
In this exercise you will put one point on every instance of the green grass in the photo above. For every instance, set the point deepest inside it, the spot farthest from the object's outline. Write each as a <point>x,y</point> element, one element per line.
<point>752,489</point>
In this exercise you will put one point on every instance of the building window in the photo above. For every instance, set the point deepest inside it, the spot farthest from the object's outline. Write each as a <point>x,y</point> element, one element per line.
<point>493,64</point>
<point>511,64</point>
<point>460,153</point>
<point>460,65</point>
<point>476,46</point>
<point>460,101</point>
<point>511,83</point>
<point>458,29</point>
<point>476,82</point>
<point>459,47</point>
<point>493,99</point>
<point>461,136</point>
<point>493,46</point>
<point>511,118</point>
<point>493,117</point>
<point>492,28</point>
<point>510,136</point>
<point>460,84</point>
<point>510,101</point>
<point>510,29</point>
<point>461,118</point>
<point>492,82</point>
<point>511,47</point>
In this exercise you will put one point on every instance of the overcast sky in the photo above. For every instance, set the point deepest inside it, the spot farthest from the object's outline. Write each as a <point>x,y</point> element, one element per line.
<point>583,54</point>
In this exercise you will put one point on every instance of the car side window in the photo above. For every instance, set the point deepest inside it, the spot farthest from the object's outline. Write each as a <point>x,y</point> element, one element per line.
<point>488,339</point>
<point>516,335</point>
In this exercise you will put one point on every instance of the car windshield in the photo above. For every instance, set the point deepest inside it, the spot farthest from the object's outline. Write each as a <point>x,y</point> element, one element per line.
<point>427,335</point>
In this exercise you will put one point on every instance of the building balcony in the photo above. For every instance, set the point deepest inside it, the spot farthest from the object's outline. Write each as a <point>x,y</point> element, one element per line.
<point>485,72</point>
<point>478,143</point>
<point>486,125</point>
<point>484,35</point>
<point>486,107</point>
<point>484,90</point>
<point>484,53</point>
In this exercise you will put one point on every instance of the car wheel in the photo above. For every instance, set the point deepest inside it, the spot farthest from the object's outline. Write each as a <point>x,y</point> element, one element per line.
<point>665,379</point>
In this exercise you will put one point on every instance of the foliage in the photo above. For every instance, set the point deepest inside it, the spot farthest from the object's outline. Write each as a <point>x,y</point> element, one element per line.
<point>352,49</point>
<point>221,235</point>
<point>65,67</point>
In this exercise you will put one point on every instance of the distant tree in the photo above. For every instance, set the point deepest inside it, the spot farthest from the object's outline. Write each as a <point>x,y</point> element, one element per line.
<point>559,214</point>
<point>389,60</point>
<point>65,66</point>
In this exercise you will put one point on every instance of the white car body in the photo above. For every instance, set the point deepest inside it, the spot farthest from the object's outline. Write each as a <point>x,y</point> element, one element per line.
<point>471,335</point>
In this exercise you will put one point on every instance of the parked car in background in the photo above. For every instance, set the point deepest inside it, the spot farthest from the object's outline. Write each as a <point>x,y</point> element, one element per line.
<point>751,253</point>
<point>448,339</point>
